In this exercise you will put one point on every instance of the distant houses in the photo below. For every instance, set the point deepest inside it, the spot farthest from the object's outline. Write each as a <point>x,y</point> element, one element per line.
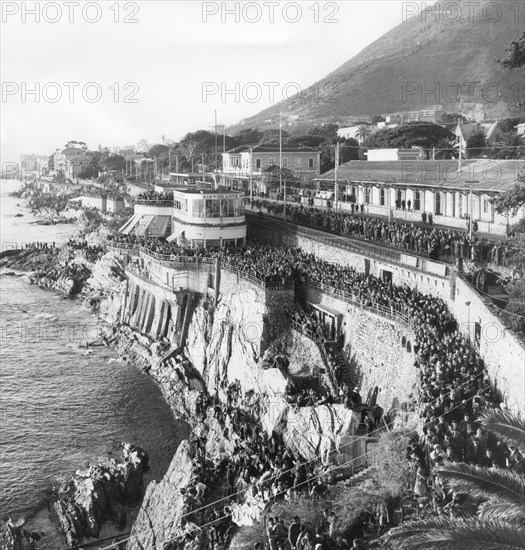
<point>464,130</point>
<point>70,162</point>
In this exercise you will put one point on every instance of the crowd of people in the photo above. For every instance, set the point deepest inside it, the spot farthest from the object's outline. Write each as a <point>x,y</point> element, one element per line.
<point>438,243</point>
<point>453,381</point>
<point>155,196</point>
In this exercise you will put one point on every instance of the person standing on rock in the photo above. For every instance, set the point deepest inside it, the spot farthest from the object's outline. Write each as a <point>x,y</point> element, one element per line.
<point>293,532</point>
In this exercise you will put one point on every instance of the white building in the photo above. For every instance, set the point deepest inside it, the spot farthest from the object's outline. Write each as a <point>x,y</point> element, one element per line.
<point>208,217</point>
<point>195,216</point>
<point>405,189</point>
<point>393,154</point>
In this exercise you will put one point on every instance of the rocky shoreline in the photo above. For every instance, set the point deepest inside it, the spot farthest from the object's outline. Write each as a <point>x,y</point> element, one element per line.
<point>200,390</point>
<point>95,495</point>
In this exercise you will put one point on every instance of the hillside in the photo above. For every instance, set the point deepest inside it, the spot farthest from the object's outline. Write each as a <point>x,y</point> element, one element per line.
<point>428,53</point>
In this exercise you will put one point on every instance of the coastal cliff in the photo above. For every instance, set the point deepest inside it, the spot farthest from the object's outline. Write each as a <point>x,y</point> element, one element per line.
<point>215,360</point>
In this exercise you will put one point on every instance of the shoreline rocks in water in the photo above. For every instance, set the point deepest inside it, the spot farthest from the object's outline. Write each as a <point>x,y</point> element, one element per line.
<point>95,495</point>
<point>14,537</point>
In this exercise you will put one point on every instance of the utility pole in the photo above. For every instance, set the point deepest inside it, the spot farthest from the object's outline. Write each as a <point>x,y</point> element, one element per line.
<point>336,170</point>
<point>216,139</point>
<point>280,155</point>
<point>251,176</point>
<point>471,214</point>
<point>460,146</point>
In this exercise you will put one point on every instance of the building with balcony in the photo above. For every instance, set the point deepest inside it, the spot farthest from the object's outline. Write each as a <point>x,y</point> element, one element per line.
<point>204,217</point>
<point>244,164</point>
<point>195,216</point>
<point>152,215</point>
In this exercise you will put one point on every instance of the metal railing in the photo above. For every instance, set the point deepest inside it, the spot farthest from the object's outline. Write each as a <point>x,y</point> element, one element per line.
<point>393,312</point>
<point>186,262</point>
<point>161,202</point>
<point>353,243</point>
<point>121,246</point>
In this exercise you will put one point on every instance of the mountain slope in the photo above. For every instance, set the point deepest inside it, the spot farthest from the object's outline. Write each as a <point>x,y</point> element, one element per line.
<point>450,61</point>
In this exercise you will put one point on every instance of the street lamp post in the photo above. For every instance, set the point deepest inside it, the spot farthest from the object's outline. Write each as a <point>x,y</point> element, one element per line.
<point>470,209</point>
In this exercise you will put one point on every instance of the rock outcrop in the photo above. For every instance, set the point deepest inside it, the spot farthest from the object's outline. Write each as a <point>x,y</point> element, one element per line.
<point>96,494</point>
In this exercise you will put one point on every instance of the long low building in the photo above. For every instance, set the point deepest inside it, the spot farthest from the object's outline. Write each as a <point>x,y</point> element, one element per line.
<point>448,190</point>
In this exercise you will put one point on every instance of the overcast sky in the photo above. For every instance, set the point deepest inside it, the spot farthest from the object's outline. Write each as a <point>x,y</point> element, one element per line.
<point>163,67</point>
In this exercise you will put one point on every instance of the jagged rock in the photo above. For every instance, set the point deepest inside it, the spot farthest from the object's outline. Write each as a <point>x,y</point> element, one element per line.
<point>162,506</point>
<point>92,495</point>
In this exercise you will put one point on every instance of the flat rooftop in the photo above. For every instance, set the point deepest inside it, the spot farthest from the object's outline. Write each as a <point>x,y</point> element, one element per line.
<point>206,191</point>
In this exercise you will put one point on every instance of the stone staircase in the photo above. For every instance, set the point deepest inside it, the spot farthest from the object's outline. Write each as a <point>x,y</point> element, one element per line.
<point>342,363</point>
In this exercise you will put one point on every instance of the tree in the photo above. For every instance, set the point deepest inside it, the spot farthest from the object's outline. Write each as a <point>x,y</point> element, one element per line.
<point>476,144</point>
<point>446,149</point>
<point>326,131</point>
<point>498,523</point>
<point>248,136</point>
<point>76,145</point>
<point>306,141</point>
<point>349,150</point>
<point>452,118</point>
<point>509,145</point>
<point>511,200</point>
<point>113,162</point>
<point>363,132</point>
<point>378,118</point>
<point>414,134</point>
<point>515,55</point>
<point>272,135</point>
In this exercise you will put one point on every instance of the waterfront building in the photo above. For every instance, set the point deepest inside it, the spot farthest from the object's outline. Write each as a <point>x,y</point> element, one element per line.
<point>195,216</point>
<point>205,217</point>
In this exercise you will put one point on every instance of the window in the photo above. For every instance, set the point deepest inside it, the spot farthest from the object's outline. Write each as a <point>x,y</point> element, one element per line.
<point>417,200</point>
<point>367,195</point>
<point>285,163</point>
<point>310,163</point>
<point>438,203</point>
<point>486,208</point>
<point>258,164</point>
<point>271,162</point>
<point>298,163</point>
<point>382,197</point>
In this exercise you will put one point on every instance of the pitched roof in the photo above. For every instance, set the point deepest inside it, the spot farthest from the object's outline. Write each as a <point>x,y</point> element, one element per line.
<point>273,148</point>
<point>468,128</point>
<point>488,174</point>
